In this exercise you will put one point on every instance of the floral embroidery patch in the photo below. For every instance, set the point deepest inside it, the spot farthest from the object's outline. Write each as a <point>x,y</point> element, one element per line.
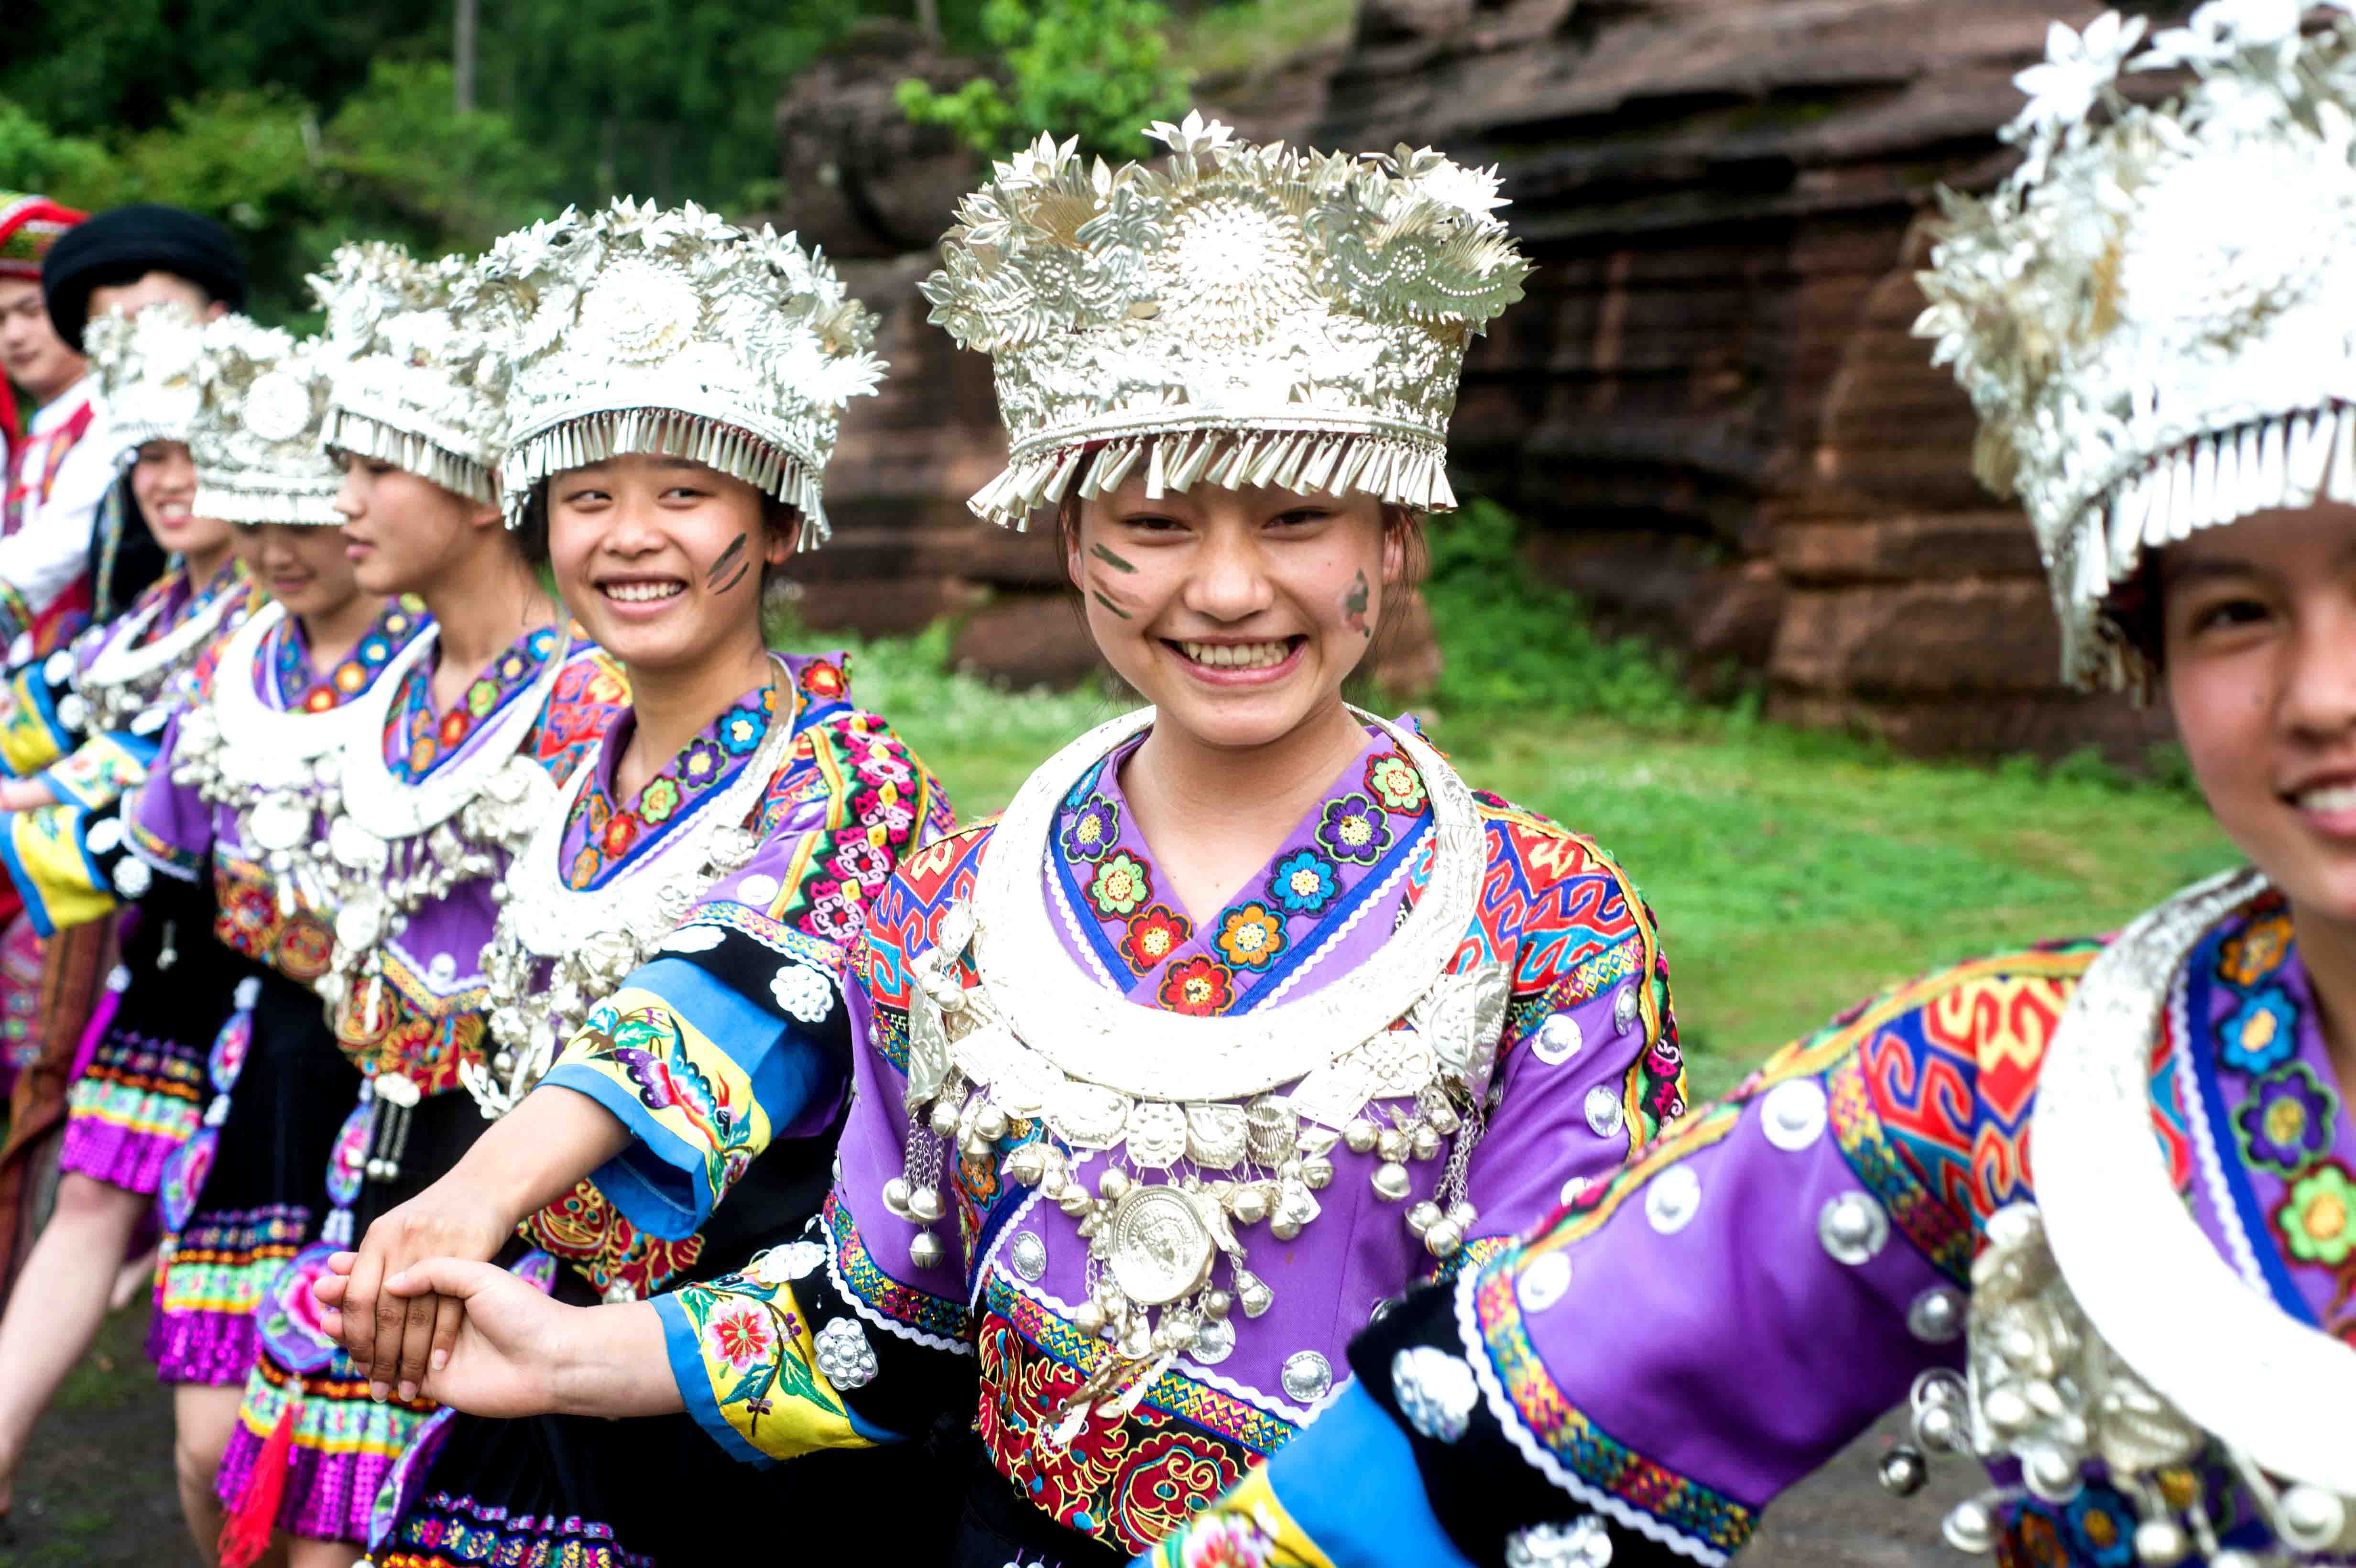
<point>1120,885</point>
<point>1154,934</point>
<point>2102,1528</point>
<point>1198,987</point>
<point>2285,1124</point>
<point>291,666</point>
<point>2251,954</point>
<point>1091,833</point>
<point>2318,1220</point>
<point>1392,779</point>
<point>609,831</point>
<point>1352,828</point>
<point>1251,936</point>
<point>418,739</point>
<point>1304,883</point>
<point>2262,1033</point>
<point>823,680</point>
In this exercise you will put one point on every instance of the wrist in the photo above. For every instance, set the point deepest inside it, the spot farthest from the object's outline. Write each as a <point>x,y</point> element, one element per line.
<point>608,1361</point>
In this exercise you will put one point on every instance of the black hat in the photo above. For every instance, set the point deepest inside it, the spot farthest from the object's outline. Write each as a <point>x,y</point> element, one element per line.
<point>126,244</point>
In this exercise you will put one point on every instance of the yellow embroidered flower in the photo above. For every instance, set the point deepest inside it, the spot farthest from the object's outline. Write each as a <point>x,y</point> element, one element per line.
<point>1250,938</point>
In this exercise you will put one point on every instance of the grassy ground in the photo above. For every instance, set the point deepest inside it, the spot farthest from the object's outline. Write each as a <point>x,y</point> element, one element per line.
<point>1792,874</point>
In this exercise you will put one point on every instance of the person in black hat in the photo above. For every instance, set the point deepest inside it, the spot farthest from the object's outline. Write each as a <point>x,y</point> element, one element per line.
<point>133,256</point>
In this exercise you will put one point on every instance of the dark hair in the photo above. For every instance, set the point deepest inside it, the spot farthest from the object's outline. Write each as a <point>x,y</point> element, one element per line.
<point>2135,607</point>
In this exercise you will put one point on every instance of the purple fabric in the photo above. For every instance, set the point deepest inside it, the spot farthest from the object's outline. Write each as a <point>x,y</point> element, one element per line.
<point>1357,1252</point>
<point>1744,1350</point>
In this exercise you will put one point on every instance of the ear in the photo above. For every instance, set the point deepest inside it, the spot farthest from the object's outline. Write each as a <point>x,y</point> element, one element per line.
<point>487,515</point>
<point>1396,523</point>
<point>1070,536</point>
<point>778,545</point>
<point>216,310</point>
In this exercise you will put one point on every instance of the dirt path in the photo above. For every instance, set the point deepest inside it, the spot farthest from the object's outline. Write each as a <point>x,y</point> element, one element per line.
<point>97,1492</point>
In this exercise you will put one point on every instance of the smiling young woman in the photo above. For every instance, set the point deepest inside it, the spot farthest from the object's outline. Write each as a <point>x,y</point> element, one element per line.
<point>666,978</point>
<point>2156,1315</point>
<point>354,789</point>
<point>1250,1012</point>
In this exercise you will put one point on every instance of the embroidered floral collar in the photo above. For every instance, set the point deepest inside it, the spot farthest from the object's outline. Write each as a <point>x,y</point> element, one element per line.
<point>1354,842</point>
<point>602,833</point>
<point>294,685</point>
<point>416,741</point>
<point>2271,1101</point>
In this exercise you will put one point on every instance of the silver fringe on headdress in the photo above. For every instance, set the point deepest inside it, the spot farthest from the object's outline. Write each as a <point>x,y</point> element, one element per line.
<point>2154,314</point>
<point>671,332</point>
<point>1244,315</point>
<point>411,387</point>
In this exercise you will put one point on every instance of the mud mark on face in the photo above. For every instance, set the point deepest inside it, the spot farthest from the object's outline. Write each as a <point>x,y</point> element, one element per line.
<point>1098,595</point>
<point>1354,607</point>
<point>1107,556</point>
<point>733,556</point>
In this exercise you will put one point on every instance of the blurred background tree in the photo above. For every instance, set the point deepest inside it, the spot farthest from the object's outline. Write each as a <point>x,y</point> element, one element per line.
<point>301,126</point>
<point>1096,70</point>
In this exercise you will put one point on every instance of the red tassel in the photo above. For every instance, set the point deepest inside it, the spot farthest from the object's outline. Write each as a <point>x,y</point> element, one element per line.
<point>245,1535</point>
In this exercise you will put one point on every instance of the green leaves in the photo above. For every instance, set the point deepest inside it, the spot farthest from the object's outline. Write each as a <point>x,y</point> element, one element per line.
<point>1099,69</point>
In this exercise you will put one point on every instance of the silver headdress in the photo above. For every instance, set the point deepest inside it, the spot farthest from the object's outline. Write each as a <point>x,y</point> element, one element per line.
<point>146,367</point>
<point>2154,314</point>
<point>1248,314</point>
<point>412,387</point>
<point>256,436</point>
<point>669,331</point>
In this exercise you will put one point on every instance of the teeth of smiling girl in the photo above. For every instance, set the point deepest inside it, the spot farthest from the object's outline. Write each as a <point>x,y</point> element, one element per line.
<point>1236,656</point>
<point>642,593</point>
<point>2329,797</point>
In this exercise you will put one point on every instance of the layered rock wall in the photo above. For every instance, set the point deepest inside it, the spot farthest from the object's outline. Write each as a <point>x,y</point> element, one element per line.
<point>1709,407</point>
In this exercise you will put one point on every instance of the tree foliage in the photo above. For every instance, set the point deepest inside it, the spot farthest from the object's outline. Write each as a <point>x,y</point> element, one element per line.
<point>1098,69</point>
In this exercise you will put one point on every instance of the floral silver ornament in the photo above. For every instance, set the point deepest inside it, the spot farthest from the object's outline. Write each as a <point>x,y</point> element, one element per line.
<point>263,396</point>
<point>805,994</point>
<point>412,385</point>
<point>1436,1392</point>
<point>2150,315</point>
<point>845,1358</point>
<point>1243,314</point>
<point>1584,1542</point>
<point>669,331</point>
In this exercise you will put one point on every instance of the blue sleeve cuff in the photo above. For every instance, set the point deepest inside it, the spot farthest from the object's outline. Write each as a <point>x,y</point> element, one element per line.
<point>657,1182</point>
<point>686,1358</point>
<point>1350,1482</point>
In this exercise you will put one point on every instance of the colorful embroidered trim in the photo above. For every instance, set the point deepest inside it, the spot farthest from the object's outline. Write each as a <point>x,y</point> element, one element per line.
<point>1685,1506</point>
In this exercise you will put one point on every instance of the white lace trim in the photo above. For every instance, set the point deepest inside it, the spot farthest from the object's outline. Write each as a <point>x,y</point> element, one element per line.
<point>1476,1351</point>
<point>2204,1141</point>
<point>1332,940</point>
<point>1086,949</point>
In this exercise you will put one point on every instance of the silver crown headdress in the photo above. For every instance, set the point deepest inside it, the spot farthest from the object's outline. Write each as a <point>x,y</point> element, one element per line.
<point>2154,314</point>
<point>256,436</point>
<point>147,366</point>
<point>1248,314</point>
<point>669,331</point>
<point>410,386</point>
